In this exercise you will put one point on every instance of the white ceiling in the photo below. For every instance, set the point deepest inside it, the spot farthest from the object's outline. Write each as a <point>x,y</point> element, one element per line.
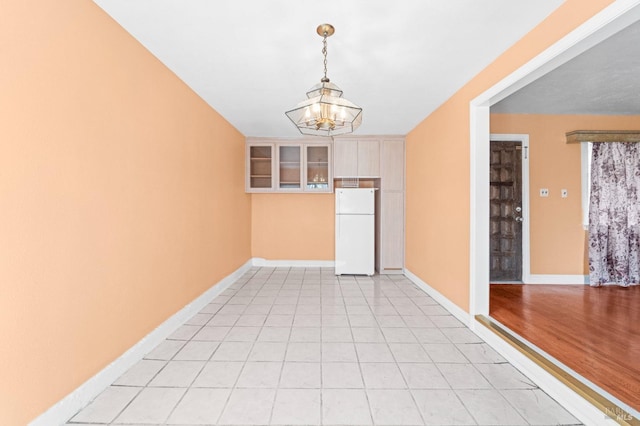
<point>252,60</point>
<point>603,80</point>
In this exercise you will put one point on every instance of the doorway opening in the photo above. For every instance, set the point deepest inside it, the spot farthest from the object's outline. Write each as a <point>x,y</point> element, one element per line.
<point>612,19</point>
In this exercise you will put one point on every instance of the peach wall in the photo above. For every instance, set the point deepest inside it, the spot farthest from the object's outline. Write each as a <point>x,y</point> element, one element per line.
<point>557,234</point>
<point>121,199</point>
<point>438,188</point>
<point>292,226</point>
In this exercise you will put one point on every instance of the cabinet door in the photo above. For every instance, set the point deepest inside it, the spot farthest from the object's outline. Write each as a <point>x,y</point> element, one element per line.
<point>289,167</point>
<point>317,170</point>
<point>393,165</point>
<point>368,158</point>
<point>345,158</point>
<point>392,231</point>
<point>260,168</point>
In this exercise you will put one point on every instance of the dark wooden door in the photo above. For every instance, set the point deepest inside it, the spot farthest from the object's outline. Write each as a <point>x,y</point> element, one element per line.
<point>506,211</point>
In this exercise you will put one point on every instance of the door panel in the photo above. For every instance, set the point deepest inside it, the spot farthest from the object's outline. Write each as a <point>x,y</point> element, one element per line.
<point>392,165</point>
<point>393,230</point>
<point>505,215</point>
<point>368,158</point>
<point>345,158</point>
<point>355,201</point>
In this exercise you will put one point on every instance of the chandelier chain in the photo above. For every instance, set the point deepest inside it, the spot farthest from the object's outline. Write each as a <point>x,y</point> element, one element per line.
<point>324,53</point>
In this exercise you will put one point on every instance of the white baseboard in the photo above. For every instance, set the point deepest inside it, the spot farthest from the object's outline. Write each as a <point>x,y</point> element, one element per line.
<point>64,409</point>
<point>557,279</point>
<point>259,261</point>
<point>391,272</point>
<point>570,400</point>
<point>454,309</point>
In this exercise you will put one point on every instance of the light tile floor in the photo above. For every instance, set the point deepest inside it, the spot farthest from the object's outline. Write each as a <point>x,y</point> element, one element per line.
<point>300,346</point>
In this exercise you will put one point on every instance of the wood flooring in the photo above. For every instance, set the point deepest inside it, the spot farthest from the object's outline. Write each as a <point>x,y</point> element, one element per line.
<point>593,330</point>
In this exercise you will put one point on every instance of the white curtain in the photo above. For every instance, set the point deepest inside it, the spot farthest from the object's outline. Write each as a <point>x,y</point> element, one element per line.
<point>614,211</point>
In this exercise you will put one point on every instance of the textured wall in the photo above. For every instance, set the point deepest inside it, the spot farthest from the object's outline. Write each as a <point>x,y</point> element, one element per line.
<point>293,226</point>
<point>121,199</point>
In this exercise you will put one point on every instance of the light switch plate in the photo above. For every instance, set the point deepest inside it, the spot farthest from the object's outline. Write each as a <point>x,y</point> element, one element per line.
<point>564,193</point>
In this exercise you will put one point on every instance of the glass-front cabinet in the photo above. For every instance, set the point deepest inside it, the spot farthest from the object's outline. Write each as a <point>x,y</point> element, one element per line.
<point>260,167</point>
<point>288,167</point>
<point>317,162</point>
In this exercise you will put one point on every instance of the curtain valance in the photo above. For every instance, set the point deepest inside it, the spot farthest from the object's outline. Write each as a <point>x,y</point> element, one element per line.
<point>577,136</point>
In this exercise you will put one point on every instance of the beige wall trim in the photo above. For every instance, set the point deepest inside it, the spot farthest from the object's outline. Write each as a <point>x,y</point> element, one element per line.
<point>578,136</point>
<point>67,407</point>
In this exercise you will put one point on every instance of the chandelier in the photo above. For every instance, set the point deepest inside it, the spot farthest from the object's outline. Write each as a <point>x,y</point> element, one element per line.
<point>325,112</point>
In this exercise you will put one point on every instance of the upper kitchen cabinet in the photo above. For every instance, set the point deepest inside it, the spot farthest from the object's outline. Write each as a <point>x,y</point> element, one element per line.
<point>356,157</point>
<point>289,167</point>
<point>318,167</point>
<point>286,166</point>
<point>260,167</point>
<point>345,157</point>
<point>392,165</point>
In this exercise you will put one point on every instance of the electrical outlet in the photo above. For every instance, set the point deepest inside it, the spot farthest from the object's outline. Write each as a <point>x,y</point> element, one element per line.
<point>564,193</point>
<point>544,192</point>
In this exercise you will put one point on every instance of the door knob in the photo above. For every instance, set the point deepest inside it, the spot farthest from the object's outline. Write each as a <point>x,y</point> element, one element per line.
<point>518,219</point>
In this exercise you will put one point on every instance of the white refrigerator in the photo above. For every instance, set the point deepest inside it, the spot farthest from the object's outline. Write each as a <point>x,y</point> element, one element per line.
<point>355,231</point>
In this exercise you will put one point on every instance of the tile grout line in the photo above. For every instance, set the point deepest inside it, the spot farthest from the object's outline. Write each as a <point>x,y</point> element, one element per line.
<point>248,291</point>
<point>364,385</point>
<point>226,402</point>
<point>233,387</point>
<point>398,366</point>
<point>277,388</point>
<point>413,398</point>
<point>205,363</point>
